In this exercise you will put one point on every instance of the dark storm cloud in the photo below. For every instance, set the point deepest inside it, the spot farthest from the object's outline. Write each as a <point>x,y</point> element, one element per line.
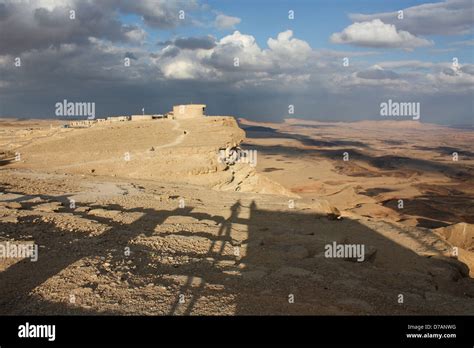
<point>130,55</point>
<point>58,17</point>
<point>159,14</point>
<point>170,52</point>
<point>194,43</point>
<point>27,28</point>
<point>191,43</point>
<point>28,25</point>
<point>3,12</point>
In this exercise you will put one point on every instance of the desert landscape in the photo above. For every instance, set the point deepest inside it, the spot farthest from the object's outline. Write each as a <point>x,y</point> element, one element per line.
<point>146,218</point>
<point>216,168</point>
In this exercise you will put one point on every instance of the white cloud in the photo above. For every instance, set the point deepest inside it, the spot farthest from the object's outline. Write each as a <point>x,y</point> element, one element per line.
<point>411,64</point>
<point>136,35</point>
<point>289,50</point>
<point>452,78</point>
<point>241,46</point>
<point>378,34</point>
<point>180,69</point>
<point>285,60</point>
<point>223,21</point>
<point>450,17</point>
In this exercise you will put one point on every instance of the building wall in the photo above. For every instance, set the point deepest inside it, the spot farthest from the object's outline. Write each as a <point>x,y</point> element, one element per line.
<point>82,123</point>
<point>189,110</point>
<point>117,118</point>
<point>141,117</point>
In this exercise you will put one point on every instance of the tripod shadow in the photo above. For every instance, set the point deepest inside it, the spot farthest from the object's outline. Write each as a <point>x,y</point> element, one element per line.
<point>268,235</point>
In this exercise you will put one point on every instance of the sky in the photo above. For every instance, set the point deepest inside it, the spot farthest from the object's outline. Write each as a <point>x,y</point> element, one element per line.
<point>328,60</point>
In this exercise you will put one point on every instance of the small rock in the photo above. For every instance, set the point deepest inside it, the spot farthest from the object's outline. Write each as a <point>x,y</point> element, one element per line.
<point>242,265</point>
<point>323,207</point>
<point>13,205</point>
<point>369,255</point>
<point>48,207</point>
<point>184,280</point>
<point>225,263</point>
<point>9,219</point>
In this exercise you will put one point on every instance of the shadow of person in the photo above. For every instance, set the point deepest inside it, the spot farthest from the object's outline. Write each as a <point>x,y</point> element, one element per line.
<point>224,237</point>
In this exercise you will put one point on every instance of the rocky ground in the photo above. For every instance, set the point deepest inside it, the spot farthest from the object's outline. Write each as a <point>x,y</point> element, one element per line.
<point>173,231</point>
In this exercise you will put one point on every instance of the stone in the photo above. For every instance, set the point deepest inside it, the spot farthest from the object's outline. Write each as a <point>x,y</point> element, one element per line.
<point>9,219</point>
<point>48,207</point>
<point>13,205</point>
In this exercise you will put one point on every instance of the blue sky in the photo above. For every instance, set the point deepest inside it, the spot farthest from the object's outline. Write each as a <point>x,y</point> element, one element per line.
<point>314,22</point>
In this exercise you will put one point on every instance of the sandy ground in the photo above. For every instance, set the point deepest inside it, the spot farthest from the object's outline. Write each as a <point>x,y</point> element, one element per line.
<point>169,229</point>
<point>387,162</point>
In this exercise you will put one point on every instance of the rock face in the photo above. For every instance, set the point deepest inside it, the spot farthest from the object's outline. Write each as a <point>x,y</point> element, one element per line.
<point>324,208</point>
<point>178,151</point>
<point>460,235</point>
<point>244,178</point>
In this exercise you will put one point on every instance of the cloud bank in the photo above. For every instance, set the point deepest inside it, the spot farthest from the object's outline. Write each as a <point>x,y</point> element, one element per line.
<point>83,60</point>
